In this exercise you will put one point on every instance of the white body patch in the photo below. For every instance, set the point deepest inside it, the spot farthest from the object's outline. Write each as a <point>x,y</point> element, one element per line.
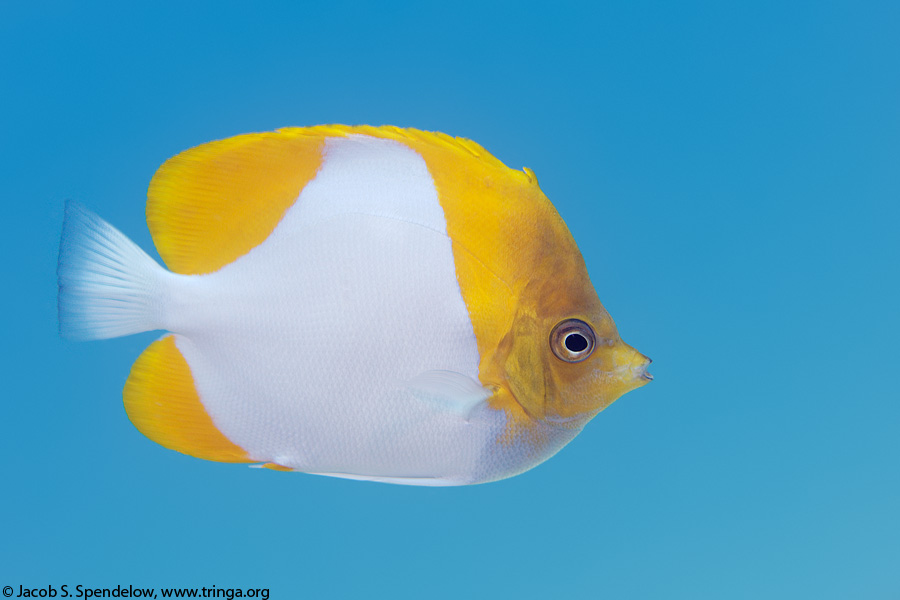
<point>302,349</point>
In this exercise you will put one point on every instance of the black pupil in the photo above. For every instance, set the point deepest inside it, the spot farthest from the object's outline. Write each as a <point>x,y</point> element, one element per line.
<point>575,342</point>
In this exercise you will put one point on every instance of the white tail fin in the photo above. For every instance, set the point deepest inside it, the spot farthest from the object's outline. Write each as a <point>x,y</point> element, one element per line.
<point>108,287</point>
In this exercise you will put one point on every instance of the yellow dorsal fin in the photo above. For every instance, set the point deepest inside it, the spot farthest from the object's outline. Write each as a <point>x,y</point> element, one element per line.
<point>162,402</point>
<point>212,204</point>
<point>408,136</point>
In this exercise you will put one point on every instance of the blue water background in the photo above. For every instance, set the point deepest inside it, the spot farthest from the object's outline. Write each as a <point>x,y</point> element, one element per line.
<point>731,171</point>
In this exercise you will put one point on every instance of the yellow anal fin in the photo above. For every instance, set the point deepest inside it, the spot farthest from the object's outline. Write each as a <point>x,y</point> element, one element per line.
<point>212,204</point>
<point>162,402</point>
<point>275,467</point>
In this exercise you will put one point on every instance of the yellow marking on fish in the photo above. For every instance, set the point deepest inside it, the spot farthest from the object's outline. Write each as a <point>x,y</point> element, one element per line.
<point>162,402</point>
<point>212,204</point>
<point>275,467</point>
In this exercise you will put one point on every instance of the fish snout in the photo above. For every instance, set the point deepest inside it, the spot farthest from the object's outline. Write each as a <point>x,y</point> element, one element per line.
<point>631,366</point>
<point>639,366</point>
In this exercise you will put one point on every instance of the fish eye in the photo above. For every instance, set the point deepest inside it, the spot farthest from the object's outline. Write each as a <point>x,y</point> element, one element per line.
<point>572,340</point>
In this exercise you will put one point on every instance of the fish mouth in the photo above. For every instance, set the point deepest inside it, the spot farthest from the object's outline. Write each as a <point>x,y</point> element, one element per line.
<point>639,371</point>
<point>631,370</point>
<point>646,374</point>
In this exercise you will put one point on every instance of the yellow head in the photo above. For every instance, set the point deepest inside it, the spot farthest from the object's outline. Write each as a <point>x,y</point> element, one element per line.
<point>547,345</point>
<point>562,358</point>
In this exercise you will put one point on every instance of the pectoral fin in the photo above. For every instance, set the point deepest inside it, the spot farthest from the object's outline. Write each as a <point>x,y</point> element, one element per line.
<point>449,391</point>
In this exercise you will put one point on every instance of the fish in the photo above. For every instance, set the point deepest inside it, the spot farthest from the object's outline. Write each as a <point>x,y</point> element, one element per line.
<point>369,303</point>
